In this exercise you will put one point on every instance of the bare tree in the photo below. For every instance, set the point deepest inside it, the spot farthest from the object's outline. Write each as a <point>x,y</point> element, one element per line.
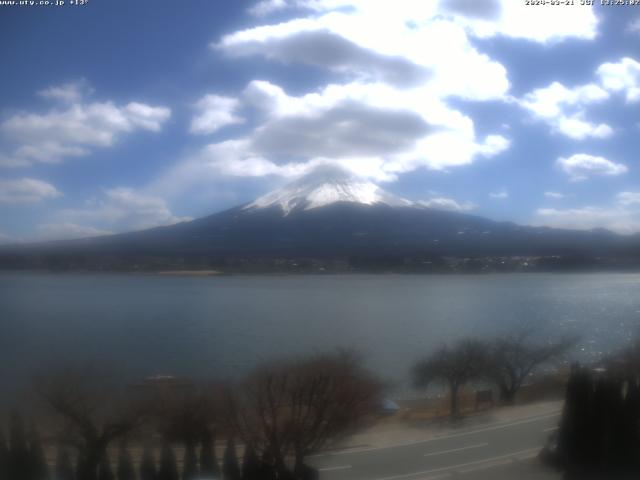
<point>94,412</point>
<point>188,414</point>
<point>514,357</point>
<point>290,409</point>
<point>455,366</point>
<point>329,397</point>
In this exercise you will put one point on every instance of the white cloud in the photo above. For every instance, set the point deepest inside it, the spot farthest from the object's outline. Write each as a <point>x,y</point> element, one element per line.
<point>550,102</point>
<point>628,198</point>
<point>563,109</point>
<point>582,166</point>
<point>61,231</point>
<point>121,209</point>
<point>302,41</point>
<point>385,111</point>
<point>26,190</point>
<point>9,161</point>
<point>499,195</point>
<point>617,219</point>
<point>208,170</point>
<point>345,128</point>
<point>46,152</point>
<point>215,112</point>
<point>140,115</point>
<point>399,129</point>
<point>4,239</point>
<point>577,128</point>
<point>518,20</point>
<point>623,216</point>
<point>623,76</point>
<point>442,203</point>
<point>634,26</point>
<point>478,9</point>
<point>266,7</point>
<point>71,92</point>
<point>554,195</point>
<point>493,145</point>
<point>483,18</point>
<point>373,130</point>
<point>73,130</point>
<point>351,44</point>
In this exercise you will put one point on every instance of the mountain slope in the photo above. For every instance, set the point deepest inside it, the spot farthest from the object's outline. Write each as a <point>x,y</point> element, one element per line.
<point>325,215</point>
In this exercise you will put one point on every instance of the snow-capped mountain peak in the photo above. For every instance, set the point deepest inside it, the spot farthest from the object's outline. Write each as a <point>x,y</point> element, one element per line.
<point>325,186</point>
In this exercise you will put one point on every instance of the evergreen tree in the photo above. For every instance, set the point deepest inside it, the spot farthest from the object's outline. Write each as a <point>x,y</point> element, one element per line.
<point>64,467</point>
<point>599,435</point>
<point>596,440</point>
<point>148,470</point>
<point>269,468</point>
<point>104,469</point>
<point>125,470</point>
<point>81,467</point>
<point>4,454</point>
<point>614,443</point>
<point>632,422</point>
<point>168,468</point>
<point>19,461</point>
<point>230,467</point>
<point>251,468</point>
<point>574,436</point>
<point>208,462</point>
<point>38,460</point>
<point>190,462</point>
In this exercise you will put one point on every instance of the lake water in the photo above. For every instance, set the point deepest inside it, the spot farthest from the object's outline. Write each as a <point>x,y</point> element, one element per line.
<point>222,326</point>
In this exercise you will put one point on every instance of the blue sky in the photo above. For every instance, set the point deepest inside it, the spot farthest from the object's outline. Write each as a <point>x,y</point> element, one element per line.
<point>121,115</point>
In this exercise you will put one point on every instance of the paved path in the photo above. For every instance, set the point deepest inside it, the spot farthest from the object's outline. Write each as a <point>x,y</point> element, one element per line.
<point>504,449</point>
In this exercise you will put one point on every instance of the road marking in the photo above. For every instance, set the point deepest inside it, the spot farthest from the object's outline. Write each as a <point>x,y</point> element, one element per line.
<point>331,469</point>
<point>498,426</point>
<point>461,465</point>
<point>486,466</point>
<point>479,468</point>
<point>439,476</point>
<point>546,430</point>
<point>479,445</point>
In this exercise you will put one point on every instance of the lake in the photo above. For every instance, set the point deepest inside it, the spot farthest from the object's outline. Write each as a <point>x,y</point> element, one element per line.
<point>222,326</point>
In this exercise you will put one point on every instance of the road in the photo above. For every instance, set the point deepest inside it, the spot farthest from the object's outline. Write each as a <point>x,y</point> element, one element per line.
<point>495,451</point>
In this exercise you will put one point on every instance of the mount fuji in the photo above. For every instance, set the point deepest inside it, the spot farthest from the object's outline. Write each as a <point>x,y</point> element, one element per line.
<point>328,215</point>
<point>324,186</point>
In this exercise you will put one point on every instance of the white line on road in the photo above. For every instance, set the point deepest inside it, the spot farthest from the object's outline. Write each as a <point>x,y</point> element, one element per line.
<point>460,465</point>
<point>331,469</point>
<point>479,445</point>
<point>546,430</point>
<point>436,438</point>
<point>485,466</point>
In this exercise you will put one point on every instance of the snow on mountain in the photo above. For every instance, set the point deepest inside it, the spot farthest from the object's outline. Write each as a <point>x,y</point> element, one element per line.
<point>323,187</point>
